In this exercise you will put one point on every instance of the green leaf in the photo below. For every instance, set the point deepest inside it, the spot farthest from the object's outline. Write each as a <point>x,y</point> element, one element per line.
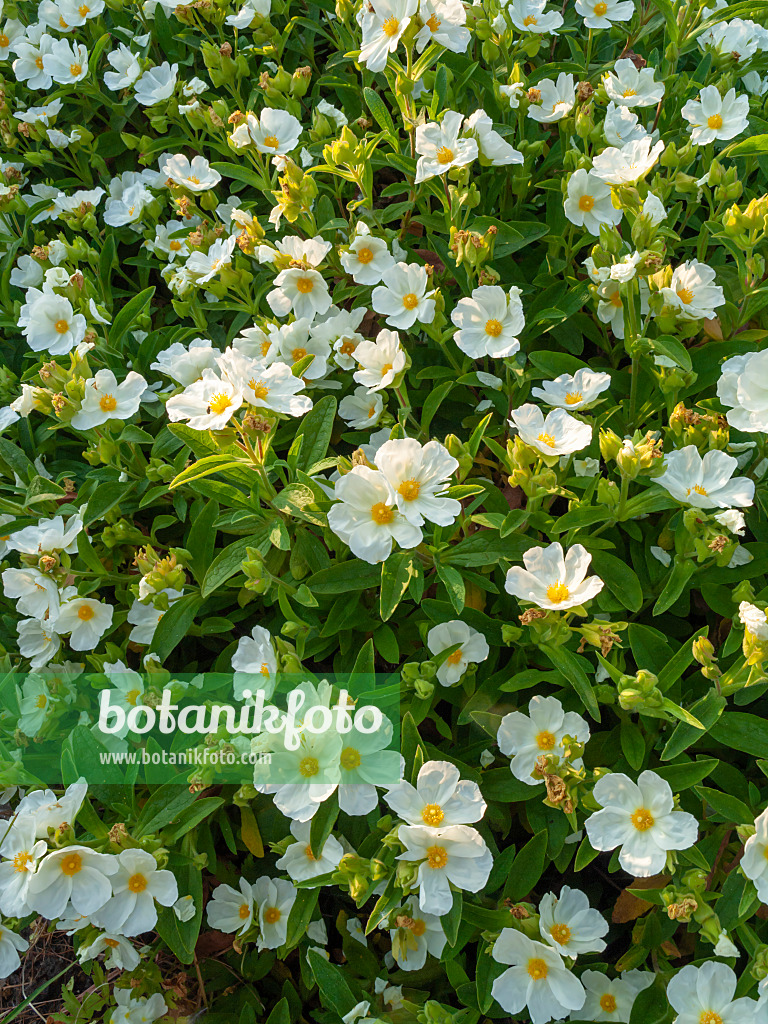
<point>454,584</point>
<point>209,465</point>
<point>316,429</point>
<point>743,732</point>
<point>396,574</point>
<point>104,498</point>
<point>569,665</point>
<point>181,936</point>
<point>127,316</point>
<point>673,349</point>
<point>322,823</point>
<point>225,565</point>
<point>174,625</point>
<point>619,578</point>
<point>527,867</point>
<point>683,776</point>
<point>343,577</point>
<point>707,710</point>
<point>757,145</point>
<point>17,461</point>
<point>679,662</point>
<point>677,581</point>
<point>730,807</point>
<point>202,539</point>
<point>281,1013</point>
<point>335,994</point>
<point>452,919</point>
<point>237,172</point>
<point>381,114</point>
<point>163,807</point>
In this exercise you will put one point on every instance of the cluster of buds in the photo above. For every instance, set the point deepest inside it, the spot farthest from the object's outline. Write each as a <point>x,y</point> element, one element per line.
<point>707,537</point>
<point>705,430</point>
<point>640,693</point>
<point>258,578</point>
<point>601,634</point>
<point>523,458</point>
<point>748,226</point>
<point>636,455</point>
<point>286,89</point>
<point>296,194</point>
<point>223,68</point>
<point>356,874</point>
<point>472,248</point>
<point>418,676</point>
<point>161,573</point>
<point>704,653</point>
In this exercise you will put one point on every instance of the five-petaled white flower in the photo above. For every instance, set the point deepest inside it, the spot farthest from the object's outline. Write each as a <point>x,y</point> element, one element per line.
<point>554,580</point>
<point>440,148</point>
<point>556,434</point>
<point>537,979</point>
<point>588,202</point>
<point>629,86</point>
<point>547,730</point>
<point>489,322</point>
<point>474,649</point>
<point>575,391</point>
<point>404,297</point>
<point>366,516</point>
<point>706,482</point>
<point>692,292</point>
<point>454,855</point>
<point>713,116</point>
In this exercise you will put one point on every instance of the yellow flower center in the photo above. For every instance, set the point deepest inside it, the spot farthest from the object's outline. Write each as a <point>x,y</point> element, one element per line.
<point>265,347</point>
<point>298,353</point>
<point>39,63</point>
<point>410,301</point>
<point>710,1017</point>
<point>545,740</point>
<point>219,403</point>
<point>642,819</point>
<point>364,255</point>
<point>557,592</point>
<point>493,328</point>
<point>444,155</point>
<point>244,912</point>
<point>62,326</point>
<point>409,489</point>
<point>62,23</point>
<point>573,397</point>
<point>615,299</point>
<point>382,514</point>
<point>175,245</point>
<point>433,23</point>
<point>305,285</point>
<point>112,943</point>
<point>132,696</point>
<point>437,857</point>
<point>586,203</point>
<point>529,20</point>
<point>600,8</point>
<point>561,933</point>
<point>372,411</point>
<point>699,490</point>
<point>628,92</point>
<point>308,853</point>
<point>547,439</point>
<point>271,141</point>
<point>193,179</point>
<point>432,815</point>
<point>272,915</point>
<point>71,864</point>
<point>391,27</point>
<point>386,368</point>
<point>137,882</point>
<point>41,701</point>
<point>75,69</point>
<point>537,968</point>
<point>21,860</point>
<point>264,668</point>
<point>308,767</point>
<point>83,10</point>
<point>85,613</point>
<point>347,348</point>
<point>4,40</point>
<point>259,388</point>
<point>455,658</point>
<point>608,1003</point>
<point>418,927</point>
<point>107,403</point>
<point>350,759</point>
<point>715,121</point>
<point>685,295</point>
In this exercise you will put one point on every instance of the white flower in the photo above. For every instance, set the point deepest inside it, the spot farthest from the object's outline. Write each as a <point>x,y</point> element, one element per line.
<point>556,99</point>
<point>743,384</point>
<point>603,13</point>
<point>414,935</point>
<point>12,33</point>
<point>362,410</point>
<point>538,979</point>
<point>383,25</point>
<point>274,132</point>
<point>381,360</point>
<point>185,362</point>
<point>474,648</point>
<point>120,952</point>
<point>440,148</point>
<point>493,149</point>
<point>250,10</point>
<point>86,620</point>
<point>208,404</point>
<point>439,799</point>
<point>456,854</point>
<point>610,308</point>
<point>156,84</point>
<point>705,482</point>
<point>11,945</point>
<point>196,175</point>
<point>203,267</point>
<point>105,399</point>
<point>34,703</point>
<point>20,851</point>
<point>366,517</point>
<point>254,662</point>
<point>716,117</point>
<point>706,994</point>
<point>588,203</point>
<point>49,323</point>
<point>137,885</point>
<point>418,475</point>
<point>299,861</point>
<point>628,164</point>
<point>653,210</point>
<point>65,62</point>
<point>275,897</point>
<point>489,322</point>
<point>443,23</point>
<point>127,68</point>
<point>367,259</point>
<point>404,298</point>
<point>133,1010</point>
<point>264,387</point>
<point>732,520</point>
<point>512,93</point>
<point>569,925</point>
<point>642,820</point>
<point>526,738</point>
<point>72,874</point>
<point>629,86</point>
<point>553,581</point>
<point>35,593</point>
<point>621,126</point>
<point>692,292</point>
<point>301,291</point>
<point>37,641</point>
<point>184,908</point>
<point>754,863</point>
<point>573,392</point>
<point>50,811</point>
<point>532,16</point>
<point>626,268</point>
<point>611,1000</point>
<point>724,947</point>
<point>230,910</point>
<point>557,434</point>
<point>48,536</point>
<point>29,65</point>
